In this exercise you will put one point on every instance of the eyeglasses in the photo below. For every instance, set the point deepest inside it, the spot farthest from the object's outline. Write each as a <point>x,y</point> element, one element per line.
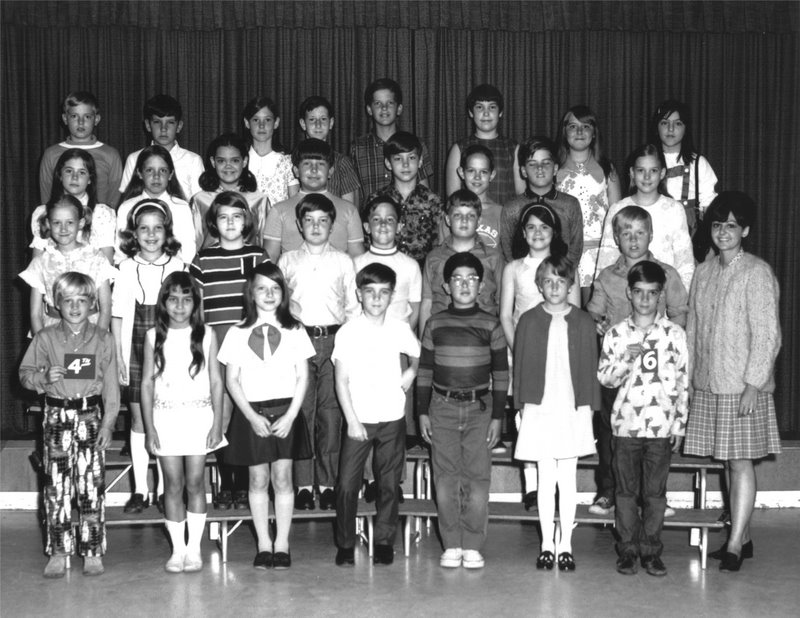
<point>460,280</point>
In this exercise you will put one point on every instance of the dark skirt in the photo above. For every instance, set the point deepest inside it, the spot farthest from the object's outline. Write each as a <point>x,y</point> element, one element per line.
<point>245,448</point>
<point>144,318</point>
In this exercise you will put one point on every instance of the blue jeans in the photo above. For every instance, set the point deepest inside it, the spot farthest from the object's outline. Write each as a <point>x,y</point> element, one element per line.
<point>462,467</point>
<point>641,468</point>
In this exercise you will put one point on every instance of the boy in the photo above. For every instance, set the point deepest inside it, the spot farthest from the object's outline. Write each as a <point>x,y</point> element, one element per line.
<point>610,304</point>
<point>73,363</point>
<point>384,103</point>
<point>420,208</point>
<point>645,356</point>
<point>323,297</point>
<point>163,120</point>
<point>463,353</point>
<point>315,117</point>
<point>463,214</point>
<point>476,170</point>
<point>81,114</point>
<point>538,167</point>
<point>485,109</point>
<point>372,386</point>
<point>312,160</point>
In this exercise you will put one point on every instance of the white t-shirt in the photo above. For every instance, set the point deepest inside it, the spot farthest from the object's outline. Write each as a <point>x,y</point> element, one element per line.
<point>408,288</point>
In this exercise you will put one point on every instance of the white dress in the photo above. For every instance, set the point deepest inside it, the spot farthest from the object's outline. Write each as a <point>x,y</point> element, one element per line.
<point>182,412</point>
<point>555,429</point>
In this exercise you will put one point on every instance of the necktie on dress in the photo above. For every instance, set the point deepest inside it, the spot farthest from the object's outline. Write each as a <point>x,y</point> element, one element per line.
<point>256,339</point>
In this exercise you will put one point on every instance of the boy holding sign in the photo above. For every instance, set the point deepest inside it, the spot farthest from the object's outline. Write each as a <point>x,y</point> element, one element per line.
<point>73,363</point>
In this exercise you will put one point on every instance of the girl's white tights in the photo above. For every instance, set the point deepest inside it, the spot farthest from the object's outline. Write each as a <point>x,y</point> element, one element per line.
<point>561,473</point>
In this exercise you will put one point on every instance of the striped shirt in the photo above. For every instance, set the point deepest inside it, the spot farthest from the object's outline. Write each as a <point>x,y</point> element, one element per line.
<point>463,349</point>
<point>221,275</point>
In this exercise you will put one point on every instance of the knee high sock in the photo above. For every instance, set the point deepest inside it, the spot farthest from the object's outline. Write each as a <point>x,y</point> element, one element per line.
<point>566,476</point>
<point>259,508</point>
<point>177,534</point>
<point>546,499</point>
<point>140,459</point>
<point>196,523</point>
<point>160,483</point>
<point>531,477</point>
<point>284,507</point>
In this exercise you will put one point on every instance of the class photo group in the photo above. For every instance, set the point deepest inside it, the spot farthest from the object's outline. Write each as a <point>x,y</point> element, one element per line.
<point>308,314</point>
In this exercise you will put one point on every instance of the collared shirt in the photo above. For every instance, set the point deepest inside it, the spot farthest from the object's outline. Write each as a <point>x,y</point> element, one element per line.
<point>343,178</point>
<point>106,160</point>
<point>50,347</point>
<point>366,152</point>
<point>323,286</point>
<point>188,169</point>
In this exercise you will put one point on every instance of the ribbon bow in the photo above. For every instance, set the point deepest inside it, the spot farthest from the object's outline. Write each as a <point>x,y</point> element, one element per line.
<point>256,340</point>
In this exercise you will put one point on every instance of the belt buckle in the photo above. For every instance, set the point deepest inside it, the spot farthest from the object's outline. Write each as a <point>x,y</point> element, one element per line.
<point>320,332</point>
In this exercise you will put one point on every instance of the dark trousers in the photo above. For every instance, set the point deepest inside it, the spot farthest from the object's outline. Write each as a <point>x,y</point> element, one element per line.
<point>388,442</point>
<point>641,468</point>
<point>604,474</point>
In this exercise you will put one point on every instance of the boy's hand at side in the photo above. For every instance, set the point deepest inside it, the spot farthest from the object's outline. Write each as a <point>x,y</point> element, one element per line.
<point>425,427</point>
<point>633,351</point>
<point>493,435</point>
<point>122,370</point>
<point>103,438</point>
<point>55,374</point>
<point>677,442</point>
<point>356,431</point>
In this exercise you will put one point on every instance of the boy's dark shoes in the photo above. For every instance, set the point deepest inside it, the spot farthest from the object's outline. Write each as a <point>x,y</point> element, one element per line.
<point>370,491</point>
<point>566,562</point>
<point>414,442</point>
<point>384,554</point>
<point>125,449</point>
<point>263,560</point>
<point>241,500</point>
<point>626,564</point>
<point>725,517</point>
<point>602,506</point>
<point>730,562</point>
<point>654,566</point>
<point>529,500</point>
<point>304,500</point>
<point>546,560</point>
<point>136,504</point>
<point>400,497</point>
<point>224,500</point>
<point>747,551</point>
<point>281,560</point>
<point>327,500</point>
<point>345,556</point>
<point>160,504</point>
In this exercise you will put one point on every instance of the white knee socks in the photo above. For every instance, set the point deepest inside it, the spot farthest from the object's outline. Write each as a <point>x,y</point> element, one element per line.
<point>196,523</point>
<point>177,534</point>
<point>140,459</point>
<point>531,476</point>
<point>566,475</point>
<point>546,499</point>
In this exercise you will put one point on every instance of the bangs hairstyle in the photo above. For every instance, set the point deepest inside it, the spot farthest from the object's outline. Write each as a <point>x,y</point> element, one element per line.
<point>129,245</point>
<point>559,264</point>
<point>312,149</point>
<point>376,273</point>
<point>282,313</point>
<point>485,92</point>
<point>376,201</point>
<point>687,152</point>
<point>74,284</point>
<point>136,185</point>
<point>80,97</point>
<point>402,142</point>
<point>209,181</point>
<point>474,151</point>
<point>519,247</point>
<point>464,259</point>
<point>66,200</point>
<point>312,103</point>
<point>313,202</point>
<point>234,200</point>
<point>534,144</point>
<point>645,150</point>
<point>162,105</point>
<point>735,203</point>
<point>647,272</point>
<point>630,215</point>
<point>183,282</point>
<point>464,197</point>
<point>584,115</point>
<point>251,108</point>
<point>58,190</point>
<point>383,83</point>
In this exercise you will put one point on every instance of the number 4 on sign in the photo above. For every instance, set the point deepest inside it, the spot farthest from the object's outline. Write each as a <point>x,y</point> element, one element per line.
<point>78,364</point>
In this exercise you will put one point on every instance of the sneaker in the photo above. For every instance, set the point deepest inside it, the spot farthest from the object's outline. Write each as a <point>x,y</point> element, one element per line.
<point>472,559</point>
<point>500,447</point>
<point>626,564</point>
<point>93,565</point>
<point>192,562</point>
<point>602,506</point>
<point>223,500</point>
<point>175,563</point>
<point>654,566</point>
<point>136,504</point>
<point>56,567</point>
<point>668,512</point>
<point>529,500</point>
<point>451,558</point>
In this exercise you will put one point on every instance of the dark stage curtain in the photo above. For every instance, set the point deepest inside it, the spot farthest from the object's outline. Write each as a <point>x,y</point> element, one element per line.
<point>735,63</point>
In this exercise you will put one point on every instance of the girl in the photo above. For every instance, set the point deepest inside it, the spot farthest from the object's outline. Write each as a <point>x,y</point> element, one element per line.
<point>155,179</point>
<point>671,242</point>
<point>220,272</point>
<point>734,336</point>
<point>587,174</point>
<point>182,409</point>
<point>267,432</point>
<point>272,168</point>
<point>75,174</point>
<point>65,217</point>
<point>557,394</point>
<point>151,248</point>
<point>227,156</point>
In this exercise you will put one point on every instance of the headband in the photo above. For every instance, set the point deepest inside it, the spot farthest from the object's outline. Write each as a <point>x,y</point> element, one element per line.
<point>144,204</point>
<point>532,206</point>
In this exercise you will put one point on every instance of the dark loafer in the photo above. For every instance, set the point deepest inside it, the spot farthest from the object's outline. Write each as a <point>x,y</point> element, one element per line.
<point>730,562</point>
<point>747,551</point>
<point>345,556</point>
<point>546,560</point>
<point>654,566</point>
<point>566,562</point>
<point>327,500</point>
<point>304,500</point>
<point>224,500</point>
<point>281,560</point>
<point>263,560</point>
<point>529,500</point>
<point>626,565</point>
<point>384,554</point>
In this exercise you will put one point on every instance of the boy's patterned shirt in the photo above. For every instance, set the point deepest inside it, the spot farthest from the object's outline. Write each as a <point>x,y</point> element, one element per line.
<point>366,151</point>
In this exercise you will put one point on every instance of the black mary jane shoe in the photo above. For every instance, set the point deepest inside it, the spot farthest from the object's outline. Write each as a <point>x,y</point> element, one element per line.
<point>546,560</point>
<point>747,551</point>
<point>730,562</point>
<point>281,560</point>
<point>263,560</point>
<point>566,562</point>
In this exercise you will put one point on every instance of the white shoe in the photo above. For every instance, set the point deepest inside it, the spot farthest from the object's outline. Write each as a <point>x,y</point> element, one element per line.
<point>669,511</point>
<point>472,559</point>
<point>451,558</point>
<point>175,563</point>
<point>192,562</point>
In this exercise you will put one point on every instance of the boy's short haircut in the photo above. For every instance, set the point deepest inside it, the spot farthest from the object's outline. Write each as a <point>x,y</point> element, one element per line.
<point>629,215</point>
<point>376,201</point>
<point>376,273</point>
<point>560,264</point>
<point>74,284</point>
<point>312,203</point>
<point>533,144</point>
<point>476,149</point>
<point>402,142</point>
<point>383,83</point>
<point>313,149</point>
<point>735,203</point>
<point>312,103</point>
<point>462,260</point>
<point>464,197</point>
<point>162,105</point>
<point>485,92</point>
<point>80,97</point>
<point>647,272</point>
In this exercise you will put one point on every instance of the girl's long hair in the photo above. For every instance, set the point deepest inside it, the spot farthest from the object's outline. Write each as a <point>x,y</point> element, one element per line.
<point>545,214</point>
<point>183,282</point>
<point>687,153</point>
<point>282,313</point>
<point>583,114</point>
<point>58,187</point>
<point>646,150</point>
<point>209,181</point>
<point>136,185</point>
